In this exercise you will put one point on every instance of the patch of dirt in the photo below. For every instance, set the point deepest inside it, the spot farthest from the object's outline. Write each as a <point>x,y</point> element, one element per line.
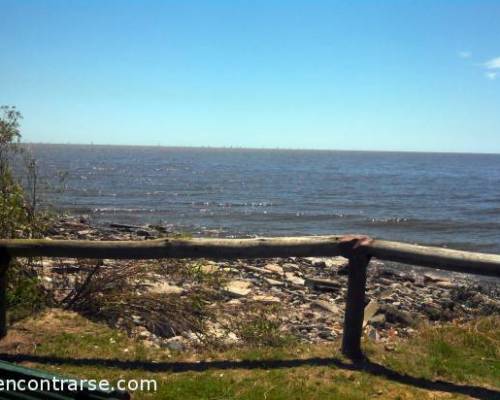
<point>18,342</point>
<point>24,336</point>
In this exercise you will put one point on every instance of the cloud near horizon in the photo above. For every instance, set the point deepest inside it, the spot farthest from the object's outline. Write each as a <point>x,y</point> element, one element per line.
<point>464,54</point>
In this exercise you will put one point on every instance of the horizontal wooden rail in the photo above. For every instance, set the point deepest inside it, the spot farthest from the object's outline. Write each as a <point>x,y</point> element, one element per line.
<point>307,246</point>
<point>358,249</point>
<point>434,257</point>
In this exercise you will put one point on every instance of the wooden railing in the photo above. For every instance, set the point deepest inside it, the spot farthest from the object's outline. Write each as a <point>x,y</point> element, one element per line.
<point>358,249</point>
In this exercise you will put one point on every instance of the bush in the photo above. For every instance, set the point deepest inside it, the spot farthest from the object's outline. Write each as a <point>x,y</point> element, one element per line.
<point>25,295</point>
<point>18,217</point>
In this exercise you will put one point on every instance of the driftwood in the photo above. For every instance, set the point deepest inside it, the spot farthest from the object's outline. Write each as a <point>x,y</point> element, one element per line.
<point>322,284</point>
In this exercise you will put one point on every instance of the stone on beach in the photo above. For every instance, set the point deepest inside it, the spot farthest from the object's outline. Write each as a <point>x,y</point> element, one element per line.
<point>238,288</point>
<point>274,268</point>
<point>370,310</point>
<point>176,343</point>
<point>266,298</point>
<point>273,282</point>
<point>209,268</point>
<point>164,288</point>
<point>325,306</point>
<point>292,278</point>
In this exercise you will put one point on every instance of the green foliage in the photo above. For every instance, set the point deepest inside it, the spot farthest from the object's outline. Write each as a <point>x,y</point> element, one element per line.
<point>9,127</point>
<point>25,295</point>
<point>17,210</point>
<point>14,220</point>
<point>18,217</point>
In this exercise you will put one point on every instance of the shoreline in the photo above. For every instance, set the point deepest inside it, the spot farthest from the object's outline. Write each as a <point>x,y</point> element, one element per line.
<point>303,297</point>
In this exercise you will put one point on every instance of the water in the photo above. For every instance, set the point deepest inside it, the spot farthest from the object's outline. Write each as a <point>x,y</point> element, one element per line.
<point>439,199</point>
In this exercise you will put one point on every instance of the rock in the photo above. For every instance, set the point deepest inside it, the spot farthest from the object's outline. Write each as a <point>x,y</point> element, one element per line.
<point>266,298</point>
<point>176,343</point>
<point>143,333</point>
<point>273,282</point>
<point>238,288</point>
<point>326,335</point>
<point>419,281</point>
<point>370,310</point>
<point>378,320</point>
<point>158,228</point>
<point>432,312</point>
<point>192,337</point>
<point>386,295</point>
<point>336,262</point>
<point>136,319</point>
<point>151,344</point>
<point>256,270</point>
<point>325,306</point>
<point>209,268</point>
<point>373,334</point>
<point>385,281</point>
<point>292,278</point>
<point>231,338</point>
<point>85,232</point>
<point>291,267</point>
<point>276,268</point>
<point>430,277</point>
<point>114,237</point>
<point>143,232</point>
<point>445,284</point>
<point>47,263</point>
<point>125,227</point>
<point>388,273</point>
<point>322,284</point>
<point>394,315</point>
<point>165,288</point>
<point>318,262</point>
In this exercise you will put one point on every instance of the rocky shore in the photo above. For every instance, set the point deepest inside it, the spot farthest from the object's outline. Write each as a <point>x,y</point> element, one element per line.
<point>300,298</point>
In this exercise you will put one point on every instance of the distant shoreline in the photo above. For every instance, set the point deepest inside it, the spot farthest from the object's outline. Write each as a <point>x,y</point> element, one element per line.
<point>251,149</point>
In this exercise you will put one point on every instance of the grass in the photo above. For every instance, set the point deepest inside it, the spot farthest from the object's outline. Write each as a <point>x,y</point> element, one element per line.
<point>459,355</point>
<point>464,353</point>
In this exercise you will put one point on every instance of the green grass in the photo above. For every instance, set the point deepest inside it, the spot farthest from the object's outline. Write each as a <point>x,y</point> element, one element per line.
<point>456,354</point>
<point>464,353</point>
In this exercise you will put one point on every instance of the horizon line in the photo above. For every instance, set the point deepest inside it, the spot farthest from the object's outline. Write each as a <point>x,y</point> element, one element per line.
<point>206,147</point>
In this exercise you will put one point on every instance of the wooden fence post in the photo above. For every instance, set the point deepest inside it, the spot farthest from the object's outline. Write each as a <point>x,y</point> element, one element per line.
<point>355,306</point>
<point>4,265</point>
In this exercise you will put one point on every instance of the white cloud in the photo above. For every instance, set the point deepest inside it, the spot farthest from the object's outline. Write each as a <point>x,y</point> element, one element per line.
<point>464,54</point>
<point>494,63</point>
<point>491,75</point>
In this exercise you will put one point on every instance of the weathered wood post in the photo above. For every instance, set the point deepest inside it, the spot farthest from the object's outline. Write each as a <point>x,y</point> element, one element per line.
<point>4,265</point>
<point>355,302</point>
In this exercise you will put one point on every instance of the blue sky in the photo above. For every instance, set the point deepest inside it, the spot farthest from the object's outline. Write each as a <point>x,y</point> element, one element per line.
<point>368,75</point>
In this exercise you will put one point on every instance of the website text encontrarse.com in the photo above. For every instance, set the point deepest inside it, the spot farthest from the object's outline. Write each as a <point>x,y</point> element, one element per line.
<point>56,384</point>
